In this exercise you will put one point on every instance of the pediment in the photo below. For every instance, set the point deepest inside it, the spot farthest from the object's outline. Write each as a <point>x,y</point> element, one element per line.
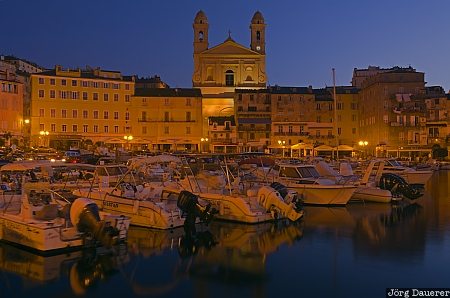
<point>229,47</point>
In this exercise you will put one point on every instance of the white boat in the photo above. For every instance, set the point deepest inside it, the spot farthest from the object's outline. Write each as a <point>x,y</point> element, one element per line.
<point>308,183</point>
<point>366,190</point>
<point>240,203</point>
<point>411,175</point>
<point>44,223</point>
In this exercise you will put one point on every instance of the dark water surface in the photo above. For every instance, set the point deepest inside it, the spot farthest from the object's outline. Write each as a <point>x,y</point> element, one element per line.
<point>357,251</point>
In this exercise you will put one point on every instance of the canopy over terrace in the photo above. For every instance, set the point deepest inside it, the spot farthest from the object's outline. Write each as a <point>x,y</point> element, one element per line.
<point>301,149</point>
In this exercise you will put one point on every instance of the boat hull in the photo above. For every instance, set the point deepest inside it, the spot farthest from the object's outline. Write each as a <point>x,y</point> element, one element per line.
<point>372,194</point>
<point>144,213</point>
<point>315,194</point>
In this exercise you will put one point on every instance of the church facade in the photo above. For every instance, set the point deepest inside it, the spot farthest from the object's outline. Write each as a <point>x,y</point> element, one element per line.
<point>221,69</point>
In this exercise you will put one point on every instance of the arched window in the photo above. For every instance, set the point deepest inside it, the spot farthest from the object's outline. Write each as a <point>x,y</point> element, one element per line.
<point>200,36</point>
<point>258,35</point>
<point>229,78</point>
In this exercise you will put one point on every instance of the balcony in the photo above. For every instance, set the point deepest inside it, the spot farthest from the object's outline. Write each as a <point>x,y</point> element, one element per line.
<point>294,133</point>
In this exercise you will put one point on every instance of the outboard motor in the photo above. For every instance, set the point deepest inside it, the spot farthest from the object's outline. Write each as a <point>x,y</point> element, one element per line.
<point>288,196</point>
<point>398,186</point>
<point>188,203</point>
<point>85,216</point>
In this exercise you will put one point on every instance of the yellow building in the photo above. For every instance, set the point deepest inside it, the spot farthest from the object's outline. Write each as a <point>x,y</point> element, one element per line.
<point>220,69</point>
<point>167,119</point>
<point>70,107</point>
<point>11,108</point>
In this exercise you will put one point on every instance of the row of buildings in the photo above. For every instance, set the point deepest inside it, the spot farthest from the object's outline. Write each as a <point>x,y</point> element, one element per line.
<point>230,107</point>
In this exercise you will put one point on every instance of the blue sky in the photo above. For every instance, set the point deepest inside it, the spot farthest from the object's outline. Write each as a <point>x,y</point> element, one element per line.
<point>304,39</point>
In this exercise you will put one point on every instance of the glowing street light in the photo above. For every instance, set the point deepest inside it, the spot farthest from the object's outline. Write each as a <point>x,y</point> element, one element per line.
<point>128,139</point>
<point>282,143</point>
<point>203,143</point>
<point>44,135</point>
<point>363,144</point>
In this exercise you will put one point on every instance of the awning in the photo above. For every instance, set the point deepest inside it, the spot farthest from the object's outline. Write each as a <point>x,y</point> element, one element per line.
<point>324,148</point>
<point>302,146</point>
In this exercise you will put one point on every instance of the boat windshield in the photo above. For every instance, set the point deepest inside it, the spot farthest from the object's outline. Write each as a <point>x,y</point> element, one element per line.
<point>393,162</point>
<point>308,172</point>
<point>111,171</point>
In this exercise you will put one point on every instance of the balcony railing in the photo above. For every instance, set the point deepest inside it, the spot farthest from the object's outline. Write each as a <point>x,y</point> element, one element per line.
<point>293,133</point>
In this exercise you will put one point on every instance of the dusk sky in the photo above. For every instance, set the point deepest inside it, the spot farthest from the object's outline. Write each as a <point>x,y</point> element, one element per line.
<point>304,39</point>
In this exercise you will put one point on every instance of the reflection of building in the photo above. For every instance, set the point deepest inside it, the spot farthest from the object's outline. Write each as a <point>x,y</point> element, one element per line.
<point>75,105</point>
<point>229,65</point>
<point>167,119</point>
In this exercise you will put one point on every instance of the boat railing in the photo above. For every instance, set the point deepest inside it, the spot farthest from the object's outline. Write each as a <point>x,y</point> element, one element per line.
<point>7,200</point>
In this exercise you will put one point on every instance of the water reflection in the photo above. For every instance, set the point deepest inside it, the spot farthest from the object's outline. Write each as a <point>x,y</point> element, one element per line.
<point>221,252</point>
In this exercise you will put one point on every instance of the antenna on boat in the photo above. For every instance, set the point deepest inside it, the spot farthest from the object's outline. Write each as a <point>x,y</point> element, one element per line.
<point>335,114</point>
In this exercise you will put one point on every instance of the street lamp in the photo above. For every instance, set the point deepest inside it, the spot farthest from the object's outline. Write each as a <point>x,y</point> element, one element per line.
<point>363,144</point>
<point>44,135</point>
<point>282,143</point>
<point>203,143</point>
<point>127,139</point>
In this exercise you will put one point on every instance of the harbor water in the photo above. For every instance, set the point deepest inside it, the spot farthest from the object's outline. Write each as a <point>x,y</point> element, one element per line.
<point>354,251</point>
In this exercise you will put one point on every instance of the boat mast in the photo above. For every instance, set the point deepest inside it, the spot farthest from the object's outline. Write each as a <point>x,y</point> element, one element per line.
<point>335,114</point>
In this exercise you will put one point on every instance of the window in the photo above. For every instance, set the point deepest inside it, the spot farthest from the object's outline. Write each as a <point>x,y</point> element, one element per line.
<point>354,106</point>
<point>166,116</point>
<point>166,130</point>
<point>75,95</point>
<point>354,117</point>
<point>290,128</point>
<point>105,114</point>
<point>41,93</point>
<point>318,106</point>
<point>52,113</point>
<point>280,128</point>
<point>188,116</point>
<point>116,97</point>
<point>252,136</point>
<point>258,35</point>
<point>127,115</point>
<point>127,86</point>
<point>229,78</point>
<point>144,130</point>
<point>116,115</point>
<point>52,94</point>
<point>116,129</point>
<point>106,128</point>
<point>63,94</point>
<point>188,101</point>
<point>74,83</point>
<point>52,82</point>
<point>95,96</point>
<point>95,114</point>
<point>166,101</point>
<point>144,116</point>
<point>74,127</point>
<point>63,113</point>
<point>63,82</point>
<point>64,128</point>
<point>85,128</point>
<point>41,81</point>
<point>318,119</point>
<point>85,95</point>
<point>105,85</point>
<point>188,130</point>
<point>41,126</point>
<point>41,113</point>
<point>85,114</point>
<point>84,83</point>
<point>339,130</point>
<point>105,97</point>
<point>94,84</point>
<point>74,113</point>
<point>95,128</point>
<point>127,98</point>
<point>53,127</point>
